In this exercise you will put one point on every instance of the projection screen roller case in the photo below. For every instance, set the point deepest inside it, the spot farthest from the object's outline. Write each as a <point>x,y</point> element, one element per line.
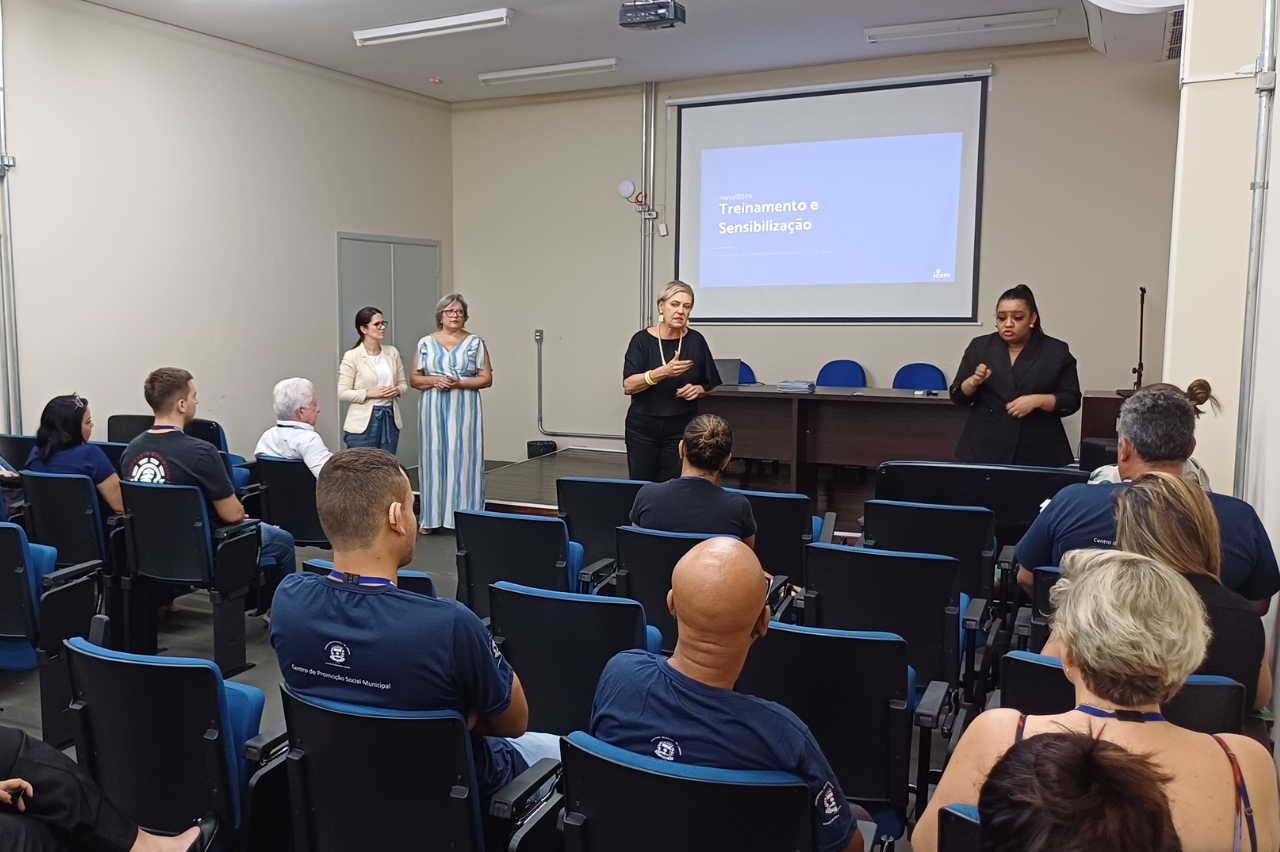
<point>834,206</point>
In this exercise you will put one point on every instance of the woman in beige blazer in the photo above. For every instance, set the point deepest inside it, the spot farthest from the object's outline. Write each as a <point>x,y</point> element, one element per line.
<point>371,380</point>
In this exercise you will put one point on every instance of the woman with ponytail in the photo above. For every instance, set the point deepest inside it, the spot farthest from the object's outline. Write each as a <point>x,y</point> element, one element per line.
<point>694,503</point>
<point>1200,394</point>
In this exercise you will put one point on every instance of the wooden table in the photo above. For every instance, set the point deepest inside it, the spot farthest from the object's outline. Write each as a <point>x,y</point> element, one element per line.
<point>841,426</point>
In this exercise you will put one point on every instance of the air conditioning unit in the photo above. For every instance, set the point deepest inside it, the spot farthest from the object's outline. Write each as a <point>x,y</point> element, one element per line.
<point>1135,30</point>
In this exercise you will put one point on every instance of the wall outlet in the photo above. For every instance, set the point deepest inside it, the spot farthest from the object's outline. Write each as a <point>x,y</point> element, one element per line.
<point>662,229</point>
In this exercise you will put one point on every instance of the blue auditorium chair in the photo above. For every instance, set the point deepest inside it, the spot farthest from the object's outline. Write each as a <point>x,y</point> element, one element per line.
<point>123,428</point>
<point>39,608</point>
<point>623,802</point>
<point>965,532</point>
<point>920,377</point>
<point>16,449</point>
<point>784,525</point>
<point>862,719</point>
<point>365,778</point>
<point>64,511</point>
<point>525,549</point>
<point>166,738</point>
<point>746,375</point>
<point>1031,627</point>
<point>842,374</point>
<point>287,489</point>
<point>170,541</point>
<point>593,509</point>
<point>959,829</point>
<point>560,642</point>
<point>1037,685</point>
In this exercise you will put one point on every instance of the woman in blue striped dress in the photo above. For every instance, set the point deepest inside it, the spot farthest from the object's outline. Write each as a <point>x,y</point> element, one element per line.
<point>451,368</point>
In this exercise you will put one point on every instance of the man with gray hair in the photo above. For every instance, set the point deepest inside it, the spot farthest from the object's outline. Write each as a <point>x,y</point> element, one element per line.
<point>1157,434</point>
<point>294,435</point>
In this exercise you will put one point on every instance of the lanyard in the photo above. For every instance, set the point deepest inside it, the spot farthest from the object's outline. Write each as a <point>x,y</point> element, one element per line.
<point>357,580</point>
<point>1120,715</point>
<point>164,429</point>
<point>287,426</point>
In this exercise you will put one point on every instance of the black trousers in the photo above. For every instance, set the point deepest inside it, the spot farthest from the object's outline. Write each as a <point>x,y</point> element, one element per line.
<point>67,810</point>
<point>653,445</point>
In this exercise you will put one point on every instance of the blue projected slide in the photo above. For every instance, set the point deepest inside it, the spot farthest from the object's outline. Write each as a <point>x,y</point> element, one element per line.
<point>856,211</point>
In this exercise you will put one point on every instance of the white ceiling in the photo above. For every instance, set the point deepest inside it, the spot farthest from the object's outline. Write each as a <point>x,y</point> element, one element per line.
<point>721,37</point>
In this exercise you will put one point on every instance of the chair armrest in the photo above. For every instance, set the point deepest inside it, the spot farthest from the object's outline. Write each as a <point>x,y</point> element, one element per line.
<point>782,611</point>
<point>778,589</point>
<point>1005,560</point>
<point>65,575</point>
<point>511,800</point>
<point>236,529</point>
<point>252,489</point>
<point>974,614</point>
<point>1022,622</point>
<point>828,528</point>
<point>596,572</point>
<point>931,711</point>
<point>100,631</point>
<point>267,744</point>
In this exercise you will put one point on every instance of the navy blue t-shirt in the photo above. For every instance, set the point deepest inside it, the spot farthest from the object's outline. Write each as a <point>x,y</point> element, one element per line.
<point>1083,516</point>
<point>379,646</point>
<point>84,460</point>
<point>645,706</point>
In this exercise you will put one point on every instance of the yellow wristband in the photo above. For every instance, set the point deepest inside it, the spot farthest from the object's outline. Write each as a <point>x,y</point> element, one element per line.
<point>649,379</point>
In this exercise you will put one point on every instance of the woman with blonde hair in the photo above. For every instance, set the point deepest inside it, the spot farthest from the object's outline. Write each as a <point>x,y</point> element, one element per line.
<point>1131,630</point>
<point>668,367</point>
<point>1171,520</point>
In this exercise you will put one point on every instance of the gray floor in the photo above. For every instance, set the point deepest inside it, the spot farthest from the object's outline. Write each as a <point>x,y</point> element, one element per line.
<point>189,633</point>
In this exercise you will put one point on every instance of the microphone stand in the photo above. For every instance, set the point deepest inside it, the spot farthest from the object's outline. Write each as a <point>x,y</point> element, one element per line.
<point>1137,371</point>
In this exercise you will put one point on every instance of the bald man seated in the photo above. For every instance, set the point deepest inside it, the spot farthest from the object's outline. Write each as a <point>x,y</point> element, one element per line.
<point>684,709</point>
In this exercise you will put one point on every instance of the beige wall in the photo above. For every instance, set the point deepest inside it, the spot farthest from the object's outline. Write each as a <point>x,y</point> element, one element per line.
<point>1077,198</point>
<point>1209,255</point>
<point>177,200</point>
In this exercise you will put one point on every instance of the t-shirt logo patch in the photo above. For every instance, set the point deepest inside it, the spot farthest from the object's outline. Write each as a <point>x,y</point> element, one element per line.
<point>666,748</point>
<point>493,646</point>
<point>338,654</point>
<point>149,467</point>
<point>827,801</point>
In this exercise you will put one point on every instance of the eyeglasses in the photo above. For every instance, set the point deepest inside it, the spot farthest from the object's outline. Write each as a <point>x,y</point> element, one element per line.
<point>454,313</point>
<point>382,324</point>
<point>78,400</point>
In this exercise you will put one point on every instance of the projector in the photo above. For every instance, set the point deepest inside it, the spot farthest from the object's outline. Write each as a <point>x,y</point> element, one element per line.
<point>651,15</point>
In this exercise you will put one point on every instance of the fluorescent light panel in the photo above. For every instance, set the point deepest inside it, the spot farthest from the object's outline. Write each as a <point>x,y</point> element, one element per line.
<point>547,72</point>
<point>433,27</point>
<point>964,26</point>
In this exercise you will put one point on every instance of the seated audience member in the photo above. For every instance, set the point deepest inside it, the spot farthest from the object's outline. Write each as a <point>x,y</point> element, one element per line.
<point>294,435</point>
<point>413,652</point>
<point>61,808</point>
<point>1131,630</point>
<point>1199,393</point>
<point>1074,793</point>
<point>62,446</point>
<point>166,455</point>
<point>1157,434</point>
<point>1171,520</point>
<point>694,503</point>
<point>684,708</point>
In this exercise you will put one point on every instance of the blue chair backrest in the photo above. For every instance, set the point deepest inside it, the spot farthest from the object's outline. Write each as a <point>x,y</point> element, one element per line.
<point>842,374</point>
<point>154,755</point>
<point>167,527</point>
<point>965,532</point>
<point>861,719</point>
<point>19,587</point>
<point>15,449</point>
<point>525,549</point>
<point>63,512</point>
<point>959,829</point>
<point>784,526</point>
<point>648,557</point>
<point>746,375</point>
<point>415,769</point>
<point>289,499</point>
<point>113,450</point>
<point>920,377</point>
<point>624,802</point>
<point>593,509</point>
<point>123,428</point>
<point>208,430</point>
<point>560,642</point>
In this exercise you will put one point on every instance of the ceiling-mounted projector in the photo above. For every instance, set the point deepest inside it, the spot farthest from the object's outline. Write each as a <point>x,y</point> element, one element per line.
<point>651,15</point>
<point>1136,30</point>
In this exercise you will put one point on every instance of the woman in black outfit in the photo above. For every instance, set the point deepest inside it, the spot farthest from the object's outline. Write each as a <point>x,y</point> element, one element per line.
<point>1021,383</point>
<point>667,368</point>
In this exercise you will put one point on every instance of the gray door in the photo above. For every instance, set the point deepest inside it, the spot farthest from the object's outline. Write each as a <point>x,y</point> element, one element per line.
<point>402,279</point>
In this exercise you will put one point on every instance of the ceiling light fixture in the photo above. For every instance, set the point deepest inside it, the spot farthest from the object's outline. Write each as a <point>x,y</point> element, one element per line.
<point>547,72</point>
<point>433,27</point>
<point>964,26</point>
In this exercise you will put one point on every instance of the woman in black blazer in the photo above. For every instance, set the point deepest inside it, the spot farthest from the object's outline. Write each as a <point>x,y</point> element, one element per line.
<point>1021,383</point>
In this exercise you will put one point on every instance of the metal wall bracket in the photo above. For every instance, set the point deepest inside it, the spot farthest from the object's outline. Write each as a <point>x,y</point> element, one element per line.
<point>1265,81</point>
<point>7,162</point>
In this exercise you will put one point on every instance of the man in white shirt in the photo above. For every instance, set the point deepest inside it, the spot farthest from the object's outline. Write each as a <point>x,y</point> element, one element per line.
<point>294,435</point>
